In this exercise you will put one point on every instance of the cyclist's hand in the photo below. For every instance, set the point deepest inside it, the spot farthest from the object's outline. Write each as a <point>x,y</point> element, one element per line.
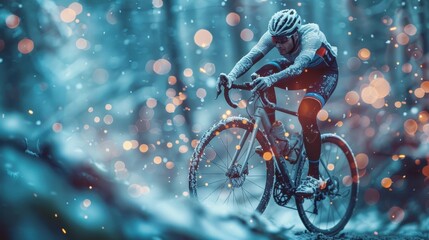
<point>224,80</point>
<point>254,76</point>
<point>261,84</point>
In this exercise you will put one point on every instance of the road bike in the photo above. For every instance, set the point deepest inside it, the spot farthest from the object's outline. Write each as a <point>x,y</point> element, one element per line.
<point>227,170</point>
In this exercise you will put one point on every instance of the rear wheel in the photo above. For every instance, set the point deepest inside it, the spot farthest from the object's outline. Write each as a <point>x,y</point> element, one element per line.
<point>208,178</point>
<point>330,210</point>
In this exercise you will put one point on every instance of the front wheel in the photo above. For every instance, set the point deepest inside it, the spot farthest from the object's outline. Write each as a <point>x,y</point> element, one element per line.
<point>330,210</point>
<point>214,181</point>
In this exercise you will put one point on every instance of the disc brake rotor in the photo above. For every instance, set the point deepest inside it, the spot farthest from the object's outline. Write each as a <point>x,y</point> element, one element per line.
<point>236,179</point>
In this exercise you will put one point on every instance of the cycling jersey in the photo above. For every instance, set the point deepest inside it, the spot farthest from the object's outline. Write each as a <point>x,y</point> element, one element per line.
<point>313,50</point>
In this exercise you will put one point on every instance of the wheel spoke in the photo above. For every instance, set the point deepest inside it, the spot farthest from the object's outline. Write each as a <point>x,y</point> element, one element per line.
<point>209,183</point>
<point>227,151</point>
<point>217,156</point>
<point>245,197</point>
<point>220,186</point>
<point>252,195</point>
<point>208,178</point>
<point>255,184</point>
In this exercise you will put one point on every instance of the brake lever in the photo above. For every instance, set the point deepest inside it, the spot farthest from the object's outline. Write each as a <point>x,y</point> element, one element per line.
<point>217,94</point>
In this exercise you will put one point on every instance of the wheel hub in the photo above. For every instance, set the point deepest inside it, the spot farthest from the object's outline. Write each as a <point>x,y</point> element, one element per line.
<point>236,179</point>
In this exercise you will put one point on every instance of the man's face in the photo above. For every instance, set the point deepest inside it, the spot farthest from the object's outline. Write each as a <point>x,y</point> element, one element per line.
<point>284,44</point>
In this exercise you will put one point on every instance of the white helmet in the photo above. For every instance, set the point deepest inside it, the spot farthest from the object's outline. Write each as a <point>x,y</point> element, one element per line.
<point>284,23</point>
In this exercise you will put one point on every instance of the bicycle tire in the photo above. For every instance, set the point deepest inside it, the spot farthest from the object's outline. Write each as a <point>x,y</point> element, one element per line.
<point>353,180</point>
<point>208,140</point>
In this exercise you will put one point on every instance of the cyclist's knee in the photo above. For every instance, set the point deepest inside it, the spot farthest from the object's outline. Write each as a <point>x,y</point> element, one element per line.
<point>307,116</point>
<point>308,110</point>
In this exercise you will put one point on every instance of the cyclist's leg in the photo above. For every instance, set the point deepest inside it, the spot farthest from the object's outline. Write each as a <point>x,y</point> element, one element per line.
<point>307,115</point>
<point>312,103</point>
<point>269,69</point>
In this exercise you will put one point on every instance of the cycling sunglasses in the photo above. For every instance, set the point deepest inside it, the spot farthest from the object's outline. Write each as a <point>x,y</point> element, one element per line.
<point>280,39</point>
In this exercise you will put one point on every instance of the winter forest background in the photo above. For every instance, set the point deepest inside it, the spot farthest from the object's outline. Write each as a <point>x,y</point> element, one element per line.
<point>102,103</point>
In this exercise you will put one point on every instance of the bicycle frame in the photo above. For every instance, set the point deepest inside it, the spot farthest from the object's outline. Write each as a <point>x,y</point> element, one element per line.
<point>261,121</point>
<point>335,198</point>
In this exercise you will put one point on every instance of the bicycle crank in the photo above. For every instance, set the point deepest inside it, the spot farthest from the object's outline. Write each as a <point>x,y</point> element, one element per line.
<point>281,194</point>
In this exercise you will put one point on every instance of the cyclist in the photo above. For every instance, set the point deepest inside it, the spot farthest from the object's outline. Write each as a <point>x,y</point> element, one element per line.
<point>308,62</point>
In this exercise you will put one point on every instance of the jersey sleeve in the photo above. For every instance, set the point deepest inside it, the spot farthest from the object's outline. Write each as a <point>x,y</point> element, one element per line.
<point>263,46</point>
<point>310,42</point>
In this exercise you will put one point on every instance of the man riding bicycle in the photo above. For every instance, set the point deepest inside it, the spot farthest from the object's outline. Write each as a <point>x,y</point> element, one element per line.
<point>308,62</point>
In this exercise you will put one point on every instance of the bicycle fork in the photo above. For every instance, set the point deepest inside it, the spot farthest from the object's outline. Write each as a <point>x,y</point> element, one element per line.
<point>260,118</point>
<point>244,168</point>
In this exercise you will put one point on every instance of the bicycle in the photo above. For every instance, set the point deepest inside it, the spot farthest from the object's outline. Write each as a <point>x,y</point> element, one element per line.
<point>225,169</point>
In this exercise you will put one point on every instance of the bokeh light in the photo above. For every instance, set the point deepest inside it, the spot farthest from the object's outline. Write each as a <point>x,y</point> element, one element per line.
<point>407,68</point>
<point>119,166</point>
<point>386,182</point>
<point>143,148</point>
<point>170,108</point>
<point>151,102</point>
<point>157,160</point>
<point>127,145</point>
<point>25,46</point>
<point>396,214</point>
<point>108,107</point>
<point>362,160</point>
<point>425,86</point>
<point>82,43</point>
<point>188,72</point>
<point>323,115</point>
<point>172,80</point>
<point>410,29</point>
<point>203,38</point>
<point>161,66</point>
<point>76,7</point>
<point>423,116</point>
<point>402,39</point>
<point>364,54</point>
<point>267,156</point>
<point>68,15</point>
<point>57,127</point>
<point>171,93</point>
<point>183,149</point>
<point>232,19</point>
<point>108,119</point>
<point>86,203</point>
<point>410,126</point>
<point>12,21</point>
<point>135,190</point>
<point>372,196</point>
<point>419,92</point>
<point>157,3</point>
<point>201,93</point>
<point>209,69</point>
<point>382,87</point>
<point>379,103</point>
<point>352,98</point>
<point>169,165</point>
<point>425,171</point>
<point>369,95</point>
<point>246,34</point>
